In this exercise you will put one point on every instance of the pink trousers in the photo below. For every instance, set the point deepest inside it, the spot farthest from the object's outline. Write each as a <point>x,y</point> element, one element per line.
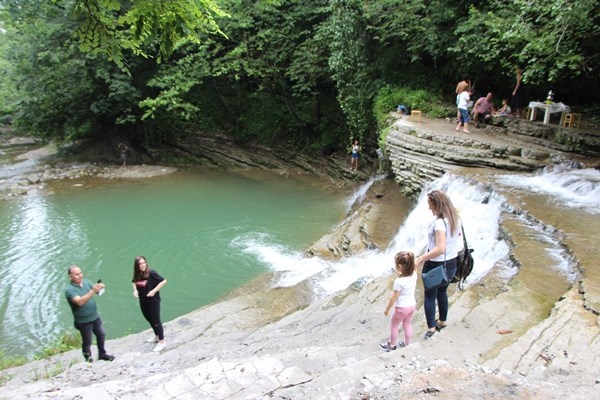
<point>402,315</point>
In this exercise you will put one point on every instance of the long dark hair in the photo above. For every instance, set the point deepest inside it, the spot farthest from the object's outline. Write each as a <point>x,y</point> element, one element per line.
<point>138,274</point>
<point>405,260</point>
<point>443,208</point>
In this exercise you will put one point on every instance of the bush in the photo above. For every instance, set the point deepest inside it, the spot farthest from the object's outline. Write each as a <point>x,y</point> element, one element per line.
<point>389,97</point>
<point>9,362</point>
<point>66,342</point>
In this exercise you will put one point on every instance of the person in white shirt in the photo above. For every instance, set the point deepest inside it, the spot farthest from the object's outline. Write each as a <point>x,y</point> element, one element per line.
<point>442,248</point>
<point>403,300</point>
<point>463,108</point>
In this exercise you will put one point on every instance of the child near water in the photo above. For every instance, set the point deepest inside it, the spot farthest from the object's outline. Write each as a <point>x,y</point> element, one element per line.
<point>355,153</point>
<point>403,300</point>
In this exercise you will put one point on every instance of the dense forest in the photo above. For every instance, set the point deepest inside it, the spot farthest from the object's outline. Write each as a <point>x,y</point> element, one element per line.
<point>308,73</point>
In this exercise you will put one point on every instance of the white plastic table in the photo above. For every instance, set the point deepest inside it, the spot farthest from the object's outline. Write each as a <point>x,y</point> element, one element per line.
<point>549,109</point>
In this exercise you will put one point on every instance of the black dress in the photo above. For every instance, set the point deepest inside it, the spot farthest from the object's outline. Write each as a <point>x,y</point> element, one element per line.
<point>519,100</point>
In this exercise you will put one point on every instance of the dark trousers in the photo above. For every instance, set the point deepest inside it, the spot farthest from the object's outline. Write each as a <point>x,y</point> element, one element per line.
<point>86,330</point>
<point>151,311</point>
<point>438,294</point>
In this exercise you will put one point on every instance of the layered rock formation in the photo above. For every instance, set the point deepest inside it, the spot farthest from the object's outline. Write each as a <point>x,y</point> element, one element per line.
<point>420,153</point>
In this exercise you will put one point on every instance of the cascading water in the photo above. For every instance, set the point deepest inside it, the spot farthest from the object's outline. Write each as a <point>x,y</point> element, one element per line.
<point>567,184</point>
<point>480,211</point>
<point>480,207</point>
<point>359,194</point>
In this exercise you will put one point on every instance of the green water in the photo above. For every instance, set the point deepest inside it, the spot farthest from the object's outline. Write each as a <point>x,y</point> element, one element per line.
<point>190,226</point>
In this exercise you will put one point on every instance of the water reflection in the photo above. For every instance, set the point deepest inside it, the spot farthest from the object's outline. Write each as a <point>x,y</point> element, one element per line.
<point>30,282</point>
<point>185,224</point>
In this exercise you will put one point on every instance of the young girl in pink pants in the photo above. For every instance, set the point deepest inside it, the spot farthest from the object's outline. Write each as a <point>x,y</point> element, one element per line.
<point>403,300</point>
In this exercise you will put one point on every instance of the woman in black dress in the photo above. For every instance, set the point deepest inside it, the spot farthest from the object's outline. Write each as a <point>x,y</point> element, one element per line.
<point>519,95</point>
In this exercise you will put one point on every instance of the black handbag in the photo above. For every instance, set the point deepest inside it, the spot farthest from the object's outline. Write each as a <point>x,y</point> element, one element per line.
<point>437,276</point>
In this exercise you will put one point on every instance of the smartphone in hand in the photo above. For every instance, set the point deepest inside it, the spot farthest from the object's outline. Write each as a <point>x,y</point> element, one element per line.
<point>101,292</point>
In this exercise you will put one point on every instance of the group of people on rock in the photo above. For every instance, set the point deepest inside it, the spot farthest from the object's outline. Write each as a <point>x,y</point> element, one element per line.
<point>444,243</point>
<point>81,293</point>
<point>483,108</point>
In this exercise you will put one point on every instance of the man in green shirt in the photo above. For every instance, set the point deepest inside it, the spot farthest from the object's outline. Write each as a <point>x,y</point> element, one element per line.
<point>80,295</point>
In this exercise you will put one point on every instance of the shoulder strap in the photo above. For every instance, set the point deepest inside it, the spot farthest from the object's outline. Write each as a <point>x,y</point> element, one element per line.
<point>445,247</point>
<point>462,228</point>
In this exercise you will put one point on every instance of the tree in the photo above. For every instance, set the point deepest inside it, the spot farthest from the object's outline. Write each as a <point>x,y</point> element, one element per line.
<point>269,79</point>
<point>62,93</point>
<point>113,27</point>
<point>552,40</point>
<point>348,63</point>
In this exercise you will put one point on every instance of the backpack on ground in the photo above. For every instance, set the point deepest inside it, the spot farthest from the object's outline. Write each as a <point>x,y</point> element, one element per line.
<point>464,263</point>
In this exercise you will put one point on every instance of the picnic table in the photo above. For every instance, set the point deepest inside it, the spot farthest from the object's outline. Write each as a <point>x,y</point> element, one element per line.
<point>548,109</point>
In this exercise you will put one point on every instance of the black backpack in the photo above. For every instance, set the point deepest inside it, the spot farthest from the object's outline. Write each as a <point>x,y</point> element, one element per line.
<point>464,263</point>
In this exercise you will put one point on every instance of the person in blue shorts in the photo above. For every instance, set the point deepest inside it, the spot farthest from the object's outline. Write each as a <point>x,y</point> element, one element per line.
<point>463,108</point>
<point>355,153</point>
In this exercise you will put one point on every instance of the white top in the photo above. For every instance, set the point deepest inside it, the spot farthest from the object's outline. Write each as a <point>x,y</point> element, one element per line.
<point>452,245</point>
<point>406,286</point>
<point>463,100</point>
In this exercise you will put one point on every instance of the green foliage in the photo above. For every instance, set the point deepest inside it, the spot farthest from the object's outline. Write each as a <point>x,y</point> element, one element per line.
<point>66,342</point>
<point>592,112</point>
<point>262,84</point>
<point>550,39</point>
<point>62,93</point>
<point>8,99</point>
<point>49,371</point>
<point>381,140</point>
<point>388,98</point>
<point>9,362</point>
<point>308,73</point>
<point>112,27</point>
<point>348,64</point>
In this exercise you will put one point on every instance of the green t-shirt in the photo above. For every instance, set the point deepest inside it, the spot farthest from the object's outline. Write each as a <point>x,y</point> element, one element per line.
<point>89,311</point>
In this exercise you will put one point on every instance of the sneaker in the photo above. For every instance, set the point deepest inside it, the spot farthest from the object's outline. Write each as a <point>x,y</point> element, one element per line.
<point>429,334</point>
<point>153,339</point>
<point>401,344</point>
<point>386,346</point>
<point>106,357</point>
<point>88,357</point>
<point>159,347</point>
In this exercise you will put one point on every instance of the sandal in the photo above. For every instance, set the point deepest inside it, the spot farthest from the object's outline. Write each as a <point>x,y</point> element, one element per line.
<point>429,334</point>
<point>439,326</point>
<point>386,346</point>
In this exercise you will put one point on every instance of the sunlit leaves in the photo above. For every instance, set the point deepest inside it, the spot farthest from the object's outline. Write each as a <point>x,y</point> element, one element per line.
<point>113,26</point>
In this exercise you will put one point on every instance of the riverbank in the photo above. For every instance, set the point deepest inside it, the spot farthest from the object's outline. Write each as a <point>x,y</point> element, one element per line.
<point>265,342</point>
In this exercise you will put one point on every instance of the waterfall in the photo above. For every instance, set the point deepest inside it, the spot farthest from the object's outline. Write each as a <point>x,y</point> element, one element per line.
<point>360,193</point>
<point>568,185</point>
<point>480,208</point>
